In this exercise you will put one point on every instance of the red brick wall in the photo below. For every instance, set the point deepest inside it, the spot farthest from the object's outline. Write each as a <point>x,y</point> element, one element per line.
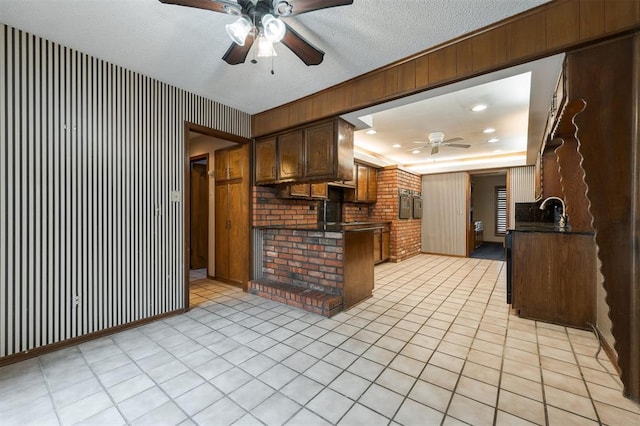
<point>405,233</point>
<point>270,210</point>
<point>355,212</point>
<point>306,259</point>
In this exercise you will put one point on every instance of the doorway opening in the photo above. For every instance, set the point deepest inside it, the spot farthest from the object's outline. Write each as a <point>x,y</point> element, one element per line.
<point>487,215</point>
<point>200,147</point>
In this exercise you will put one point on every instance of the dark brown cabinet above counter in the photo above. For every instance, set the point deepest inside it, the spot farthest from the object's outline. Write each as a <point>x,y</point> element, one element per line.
<point>319,152</point>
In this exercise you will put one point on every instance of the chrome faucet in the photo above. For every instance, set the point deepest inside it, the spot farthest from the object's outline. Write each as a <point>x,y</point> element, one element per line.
<point>563,217</point>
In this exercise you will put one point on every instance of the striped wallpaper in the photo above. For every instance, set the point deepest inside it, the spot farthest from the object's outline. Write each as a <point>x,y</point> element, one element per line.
<point>89,154</point>
<point>521,189</point>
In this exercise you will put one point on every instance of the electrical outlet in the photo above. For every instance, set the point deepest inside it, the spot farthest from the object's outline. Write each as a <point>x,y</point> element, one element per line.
<point>76,300</point>
<point>175,196</point>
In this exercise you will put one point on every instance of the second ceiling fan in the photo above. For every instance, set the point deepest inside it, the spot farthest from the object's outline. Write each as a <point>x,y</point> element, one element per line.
<point>261,18</point>
<point>436,140</point>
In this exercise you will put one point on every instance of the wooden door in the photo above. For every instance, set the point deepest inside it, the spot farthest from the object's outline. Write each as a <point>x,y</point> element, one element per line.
<point>238,233</point>
<point>372,185</point>
<point>236,163</point>
<point>319,190</point>
<point>222,231</point>
<point>319,150</point>
<point>199,211</point>
<point>290,155</point>
<point>361,183</point>
<point>266,161</point>
<point>299,190</point>
<point>221,162</point>
<point>386,245</point>
<point>377,245</point>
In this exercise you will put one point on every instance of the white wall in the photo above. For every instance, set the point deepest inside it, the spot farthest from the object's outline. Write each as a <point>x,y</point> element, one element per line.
<point>444,213</point>
<point>92,155</point>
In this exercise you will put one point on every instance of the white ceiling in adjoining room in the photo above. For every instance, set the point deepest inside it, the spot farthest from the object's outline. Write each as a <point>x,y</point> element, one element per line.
<point>517,102</point>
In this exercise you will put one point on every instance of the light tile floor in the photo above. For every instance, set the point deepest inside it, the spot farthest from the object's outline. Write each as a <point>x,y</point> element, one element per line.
<point>436,344</point>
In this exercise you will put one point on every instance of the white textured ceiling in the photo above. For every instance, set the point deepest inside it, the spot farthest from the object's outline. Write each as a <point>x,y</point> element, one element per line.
<point>517,100</point>
<point>183,46</point>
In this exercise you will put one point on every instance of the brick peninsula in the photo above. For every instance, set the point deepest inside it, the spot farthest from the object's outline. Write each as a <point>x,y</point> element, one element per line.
<point>322,268</point>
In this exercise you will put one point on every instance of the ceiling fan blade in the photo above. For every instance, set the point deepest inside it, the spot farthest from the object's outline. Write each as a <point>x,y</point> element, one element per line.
<point>221,6</point>
<point>452,140</point>
<point>434,150</point>
<point>458,145</point>
<point>237,54</point>
<point>302,48</point>
<point>303,6</point>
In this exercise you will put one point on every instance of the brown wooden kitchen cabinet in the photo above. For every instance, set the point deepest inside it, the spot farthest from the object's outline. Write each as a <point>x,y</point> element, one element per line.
<point>320,152</point>
<point>381,241</point>
<point>229,164</point>
<point>231,215</point>
<point>304,190</point>
<point>553,277</point>
<point>290,156</point>
<point>266,152</point>
<point>366,185</point>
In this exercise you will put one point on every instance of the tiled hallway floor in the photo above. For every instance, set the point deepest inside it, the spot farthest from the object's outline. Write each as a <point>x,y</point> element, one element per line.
<point>435,345</point>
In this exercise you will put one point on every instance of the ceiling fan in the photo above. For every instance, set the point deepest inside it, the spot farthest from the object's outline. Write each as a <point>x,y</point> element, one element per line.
<point>436,140</point>
<point>261,18</point>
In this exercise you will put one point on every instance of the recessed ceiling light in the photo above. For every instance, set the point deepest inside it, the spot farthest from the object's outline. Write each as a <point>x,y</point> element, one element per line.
<point>497,150</point>
<point>415,151</point>
<point>396,145</point>
<point>479,108</point>
<point>371,132</point>
<point>493,140</point>
<point>489,130</point>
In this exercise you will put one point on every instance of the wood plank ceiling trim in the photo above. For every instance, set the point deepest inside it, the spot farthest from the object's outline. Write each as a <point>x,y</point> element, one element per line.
<point>554,27</point>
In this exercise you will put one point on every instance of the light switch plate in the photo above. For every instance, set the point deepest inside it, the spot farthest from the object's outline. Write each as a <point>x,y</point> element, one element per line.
<point>175,196</point>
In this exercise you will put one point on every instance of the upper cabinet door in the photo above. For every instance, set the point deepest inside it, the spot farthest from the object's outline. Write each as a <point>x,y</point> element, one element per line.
<point>236,169</point>
<point>266,161</point>
<point>222,165</point>
<point>319,148</point>
<point>290,155</point>
<point>362,187</point>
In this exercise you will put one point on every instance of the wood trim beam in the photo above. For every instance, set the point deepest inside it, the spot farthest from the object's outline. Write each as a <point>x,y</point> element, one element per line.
<point>554,27</point>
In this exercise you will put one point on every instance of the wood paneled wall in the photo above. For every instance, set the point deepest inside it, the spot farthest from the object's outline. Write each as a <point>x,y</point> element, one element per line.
<point>89,237</point>
<point>548,29</point>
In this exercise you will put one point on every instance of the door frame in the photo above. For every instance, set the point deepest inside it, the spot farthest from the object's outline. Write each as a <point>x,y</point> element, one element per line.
<point>193,159</point>
<point>188,128</point>
<point>480,172</point>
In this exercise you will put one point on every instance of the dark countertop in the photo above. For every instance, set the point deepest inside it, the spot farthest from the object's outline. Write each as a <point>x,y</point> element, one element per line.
<point>331,226</point>
<point>544,227</point>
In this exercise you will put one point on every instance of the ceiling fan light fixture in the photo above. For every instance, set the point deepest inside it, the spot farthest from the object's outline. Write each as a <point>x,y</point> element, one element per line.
<point>239,30</point>
<point>265,48</point>
<point>436,137</point>
<point>273,28</point>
